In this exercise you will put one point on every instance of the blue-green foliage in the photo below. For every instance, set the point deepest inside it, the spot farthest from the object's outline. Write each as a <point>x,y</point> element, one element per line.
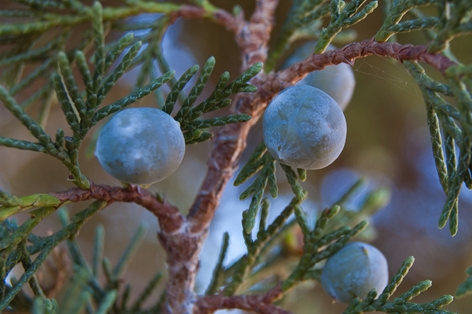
<point>65,69</point>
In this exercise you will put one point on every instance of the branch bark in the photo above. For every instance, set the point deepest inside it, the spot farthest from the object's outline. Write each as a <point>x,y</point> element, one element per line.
<point>261,303</point>
<point>275,82</point>
<point>184,246</point>
<point>169,216</point>
<point>230,140</point>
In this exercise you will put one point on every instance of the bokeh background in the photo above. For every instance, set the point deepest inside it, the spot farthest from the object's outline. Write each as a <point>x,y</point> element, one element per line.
<point>388,144</point>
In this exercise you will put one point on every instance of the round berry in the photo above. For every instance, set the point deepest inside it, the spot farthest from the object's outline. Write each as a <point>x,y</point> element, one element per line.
<point>140,146</point>
<point>304,128</point>
<point>354,271</point>
<point>338,81</point>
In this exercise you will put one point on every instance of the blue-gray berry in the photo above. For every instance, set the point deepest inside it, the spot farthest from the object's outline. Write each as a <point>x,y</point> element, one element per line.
<point>354,271</point>
<point>140,146</point>
<point>304,128</point>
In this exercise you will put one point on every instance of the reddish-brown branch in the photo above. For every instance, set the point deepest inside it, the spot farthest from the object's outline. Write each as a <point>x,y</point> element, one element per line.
<point>169,217</point>
<point>221,17</point>
<point>253,36</point>
<point>255,303</point>
<point>182,248</point>
<point>229,142</point>
<point>276,82</point>
<point>187,12</point>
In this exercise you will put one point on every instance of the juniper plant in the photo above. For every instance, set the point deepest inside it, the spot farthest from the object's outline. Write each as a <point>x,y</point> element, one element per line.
<point>78,74</point>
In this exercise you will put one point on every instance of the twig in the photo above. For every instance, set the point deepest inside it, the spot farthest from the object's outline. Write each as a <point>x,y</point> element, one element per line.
<point>254,303</point>
<point>253,36</point>
<point>230,140</point>
<point>169,217</point>
<point>275,82</point>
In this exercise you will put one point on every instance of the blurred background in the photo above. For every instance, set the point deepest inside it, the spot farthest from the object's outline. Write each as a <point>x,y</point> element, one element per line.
<point>388,144</point>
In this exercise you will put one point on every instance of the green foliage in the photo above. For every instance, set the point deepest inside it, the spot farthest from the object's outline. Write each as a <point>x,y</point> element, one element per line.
<point>263,163</point>
<point>195,130</point>
<point>12,205</point>
<point>443,121</point>
<point>236,274</point>
<point>303,21</point>
<point>396,11</point>
<point>14,235</point>
<point>39,36</point>
<point>85,286</point>
<point>466,286</point>
<point>219,269</point>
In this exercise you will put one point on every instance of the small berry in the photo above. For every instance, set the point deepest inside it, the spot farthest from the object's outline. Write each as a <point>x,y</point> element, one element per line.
<point>354,271</point>
<point>304,128</point>
<point>140,146</point>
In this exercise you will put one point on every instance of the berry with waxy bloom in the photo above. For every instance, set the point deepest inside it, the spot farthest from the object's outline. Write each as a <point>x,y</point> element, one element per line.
<point>140,146</point>
<point>354,271</point>
<point>304,128</point>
